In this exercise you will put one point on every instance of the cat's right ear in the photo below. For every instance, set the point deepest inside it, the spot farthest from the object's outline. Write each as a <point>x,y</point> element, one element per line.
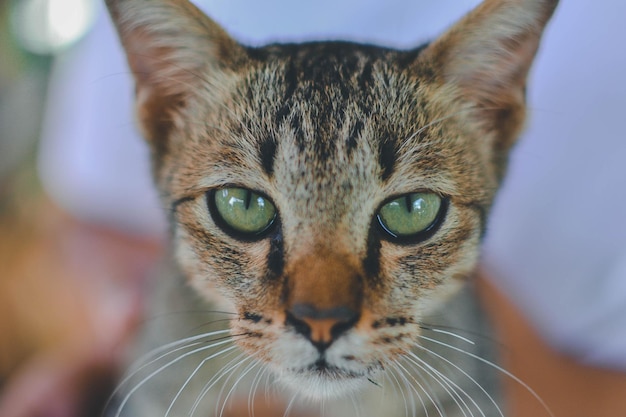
<point>174,51</point>
<point>484,60</point>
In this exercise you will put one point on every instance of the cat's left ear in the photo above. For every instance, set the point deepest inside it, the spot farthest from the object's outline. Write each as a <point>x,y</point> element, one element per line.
<point>485,59</point>
<point>174,51</point>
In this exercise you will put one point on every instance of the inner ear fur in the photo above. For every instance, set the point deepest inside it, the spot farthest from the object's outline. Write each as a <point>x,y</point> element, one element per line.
<point>486,57</point>
<point>174,50</point>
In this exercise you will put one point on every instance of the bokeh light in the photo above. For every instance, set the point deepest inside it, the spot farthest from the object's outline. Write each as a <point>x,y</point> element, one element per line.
<point>49,26</point>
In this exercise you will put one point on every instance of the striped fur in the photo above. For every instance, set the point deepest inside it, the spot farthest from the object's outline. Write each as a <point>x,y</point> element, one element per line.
<point>329,132</point>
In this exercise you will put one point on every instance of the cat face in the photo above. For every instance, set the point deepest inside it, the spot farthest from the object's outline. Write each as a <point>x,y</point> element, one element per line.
<point>328,193</point>
<point>327,290</point>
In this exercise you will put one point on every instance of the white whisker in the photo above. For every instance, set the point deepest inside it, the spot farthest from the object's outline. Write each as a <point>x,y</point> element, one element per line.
<point>253,389</point>
<point>425,391</point>
<point>402,373</point>
<point>195,371</point>
<point>424,380</point>
<point>161,349</point>
<point>468,376</point>
<point>290,405</point>
<point>429,351</point>
<point>458,336</point>
<point>393,374</point>
<point>167,365</point>
<point>357,408</point>
<point>231,374</point>
<point>223,372</point>
<point>249,367</point>
<point>493,365</point>
<point>449,386</point>
<point>267,387</point>
<point>174,346</point>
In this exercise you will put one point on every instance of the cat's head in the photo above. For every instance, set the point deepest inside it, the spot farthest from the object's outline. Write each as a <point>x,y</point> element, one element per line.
<point>328,193</point>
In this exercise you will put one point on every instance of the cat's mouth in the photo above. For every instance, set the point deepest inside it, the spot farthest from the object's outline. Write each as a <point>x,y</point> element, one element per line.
<point>322,379</point>
<point>323,369</point>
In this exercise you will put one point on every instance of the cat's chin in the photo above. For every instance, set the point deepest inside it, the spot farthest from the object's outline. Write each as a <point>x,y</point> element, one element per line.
<point>319,385</point>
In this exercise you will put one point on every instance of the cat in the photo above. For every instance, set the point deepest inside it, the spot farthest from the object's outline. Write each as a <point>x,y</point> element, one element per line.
<point>324,197</point>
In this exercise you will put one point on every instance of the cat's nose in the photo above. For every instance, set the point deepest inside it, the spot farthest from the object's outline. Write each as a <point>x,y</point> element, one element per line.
<point>321,326</point>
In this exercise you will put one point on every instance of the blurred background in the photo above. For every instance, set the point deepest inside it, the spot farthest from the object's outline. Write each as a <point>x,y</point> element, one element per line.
<point>81,228</point>
<point>70,288</point>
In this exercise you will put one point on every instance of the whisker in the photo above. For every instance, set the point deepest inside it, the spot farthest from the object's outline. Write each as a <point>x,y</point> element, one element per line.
<point>493,365</point>
<point>165,348</point>
<point>457,332</point>
<point>176,343</point>
<point>231,374</point>
<point>224,370</point>
<point>425,391</point>
<point>160,369</point>
<point>195,371</point>
<point>174,349</point>
<point>448,333</point>
<point>425,381</point>
<point>429,351</point>
<point>193,330</point>
<point>357,408</point>
<point>449,386</point>
<point>458,368</point>
<point>253,389</point>
<point>215,379</point>
<point>187,312</point>
<point>249,368</point>
<point>393,374</point>
<point>456,389</point>
<point>290,405</point>
<point>267,387</point>
<point>402,373</point>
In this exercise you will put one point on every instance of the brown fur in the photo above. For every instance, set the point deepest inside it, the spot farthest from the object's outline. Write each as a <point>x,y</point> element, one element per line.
<point>329,132</point>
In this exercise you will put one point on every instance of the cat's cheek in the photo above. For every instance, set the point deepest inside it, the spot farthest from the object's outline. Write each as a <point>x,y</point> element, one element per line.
<point>456,276</point>
<point>432,299</point>
<point>195,271</point>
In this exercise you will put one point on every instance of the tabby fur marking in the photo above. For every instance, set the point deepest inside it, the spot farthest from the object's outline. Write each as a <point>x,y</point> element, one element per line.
<point>328,133</point>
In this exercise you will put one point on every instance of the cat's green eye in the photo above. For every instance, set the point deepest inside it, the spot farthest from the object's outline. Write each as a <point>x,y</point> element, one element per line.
<point>242,211</point>
<point>410,215</point>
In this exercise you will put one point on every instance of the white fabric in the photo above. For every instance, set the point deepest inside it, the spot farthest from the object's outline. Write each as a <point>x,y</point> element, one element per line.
<point>557,238</point>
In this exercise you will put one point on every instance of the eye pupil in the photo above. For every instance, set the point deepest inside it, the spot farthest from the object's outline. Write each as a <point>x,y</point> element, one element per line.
<point>409,203</point>
<point>248,199</point>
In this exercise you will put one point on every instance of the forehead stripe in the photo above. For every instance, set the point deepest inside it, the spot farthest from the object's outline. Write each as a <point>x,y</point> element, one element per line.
<point>387,157</point>
<point>267,154</point>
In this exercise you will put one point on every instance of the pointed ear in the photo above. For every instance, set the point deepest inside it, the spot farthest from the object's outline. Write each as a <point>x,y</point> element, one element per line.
<point>173,50</point>
<point>486,57</point>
